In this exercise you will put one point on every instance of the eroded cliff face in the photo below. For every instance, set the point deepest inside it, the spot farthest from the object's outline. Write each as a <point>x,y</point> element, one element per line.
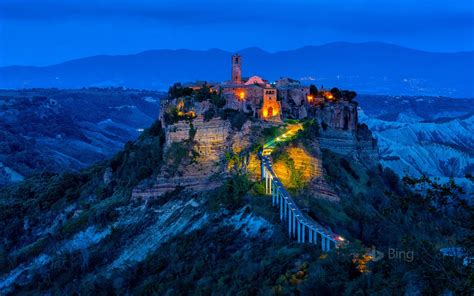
<point>341,132</point>
<point>337,115</point>
<point>205,164</point>
<point>296,159</point>
<point>361,148</point>
<point>210,139</point>
<point>299,168</point>
<point>199,154</point>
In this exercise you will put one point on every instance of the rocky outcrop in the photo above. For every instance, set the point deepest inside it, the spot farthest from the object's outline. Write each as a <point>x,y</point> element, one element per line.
<point>349,143</point>
<point>254,167</point>
<point>341,115</point>
<point>338,141</point>
<point>296,160</point>
<point>300,168</point>
<point>217,148</point>
<point>190,183</point>
<point>293,101</point>
<point>211,140</point>
<point>339,127</point>
<point>241,140</point>
<point>341,132</point>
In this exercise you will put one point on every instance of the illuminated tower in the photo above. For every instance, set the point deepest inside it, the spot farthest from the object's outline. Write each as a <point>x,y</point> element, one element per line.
<point>236,68</point>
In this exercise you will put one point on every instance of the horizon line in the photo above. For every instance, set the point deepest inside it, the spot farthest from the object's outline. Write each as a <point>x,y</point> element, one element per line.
<point>240,50</point>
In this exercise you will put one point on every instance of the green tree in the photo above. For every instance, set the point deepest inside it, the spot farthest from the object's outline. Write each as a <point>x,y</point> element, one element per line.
<point>313,90</point>
<point>336,93</point>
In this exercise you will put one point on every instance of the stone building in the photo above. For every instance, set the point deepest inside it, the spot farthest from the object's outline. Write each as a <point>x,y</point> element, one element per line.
<point>253,94</point>
<point>293,97</point>
<point>236,69</point>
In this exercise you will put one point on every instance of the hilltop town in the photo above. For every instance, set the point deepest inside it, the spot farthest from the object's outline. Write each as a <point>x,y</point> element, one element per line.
<point>205,122</point>
<point>256,97</point>
<point>244,185</point>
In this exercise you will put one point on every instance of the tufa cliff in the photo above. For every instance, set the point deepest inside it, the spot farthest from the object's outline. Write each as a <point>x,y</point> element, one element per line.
<point>205,140</point>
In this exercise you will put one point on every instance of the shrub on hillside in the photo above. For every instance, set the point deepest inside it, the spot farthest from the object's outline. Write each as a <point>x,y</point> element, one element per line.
<point>139,160</point>
<point>231,194</point>
<point>177,91</point>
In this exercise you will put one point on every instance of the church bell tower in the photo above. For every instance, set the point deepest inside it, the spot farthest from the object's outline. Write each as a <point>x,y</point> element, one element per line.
<point>236,68</point>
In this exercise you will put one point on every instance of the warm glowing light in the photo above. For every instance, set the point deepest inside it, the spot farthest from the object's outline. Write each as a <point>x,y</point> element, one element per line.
<point>242,95</point>
<point>180,105</point>
<point>310,98</point>
<point>340,238</point>
<point>274,112</point>
<point>361,262</point>
<point>265,113</point>
<point>328,95</point>
<point>190,114</point>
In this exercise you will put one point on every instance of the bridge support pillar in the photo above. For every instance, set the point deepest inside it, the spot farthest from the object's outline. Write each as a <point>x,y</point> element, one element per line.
<point>277,191</point>
<point>270,184</point>
<point>299,231</point>
<point>294,225</point>
<point>273,198</point>
<point>281,207</point>
<point>266,184</point>
<point>289,222</point>
<point>277,198</point>
<point>303,234</point>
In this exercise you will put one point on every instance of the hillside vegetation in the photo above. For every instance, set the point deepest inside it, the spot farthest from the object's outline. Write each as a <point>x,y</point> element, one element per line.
<point>81,233</point>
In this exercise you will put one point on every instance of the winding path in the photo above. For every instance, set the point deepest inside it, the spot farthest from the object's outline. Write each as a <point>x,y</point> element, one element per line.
<point>300,226</point>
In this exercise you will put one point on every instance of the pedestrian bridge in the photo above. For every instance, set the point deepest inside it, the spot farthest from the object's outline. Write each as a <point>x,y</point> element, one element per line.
<point>300,226</point>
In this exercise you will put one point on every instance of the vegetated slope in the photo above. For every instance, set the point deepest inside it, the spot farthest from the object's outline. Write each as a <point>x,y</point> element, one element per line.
<point>80,233</point>
<point>60,130</point>
<point>433,136</point>
<point>366,67</point>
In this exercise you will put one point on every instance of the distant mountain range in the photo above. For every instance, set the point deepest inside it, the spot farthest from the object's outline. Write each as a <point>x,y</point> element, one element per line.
<point>365,67</point>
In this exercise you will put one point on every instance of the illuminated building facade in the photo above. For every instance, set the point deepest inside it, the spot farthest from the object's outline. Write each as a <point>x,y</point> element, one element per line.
<point>253,94</point>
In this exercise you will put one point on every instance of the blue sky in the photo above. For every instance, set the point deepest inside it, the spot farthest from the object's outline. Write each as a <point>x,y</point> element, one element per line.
<point>42,32</point>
